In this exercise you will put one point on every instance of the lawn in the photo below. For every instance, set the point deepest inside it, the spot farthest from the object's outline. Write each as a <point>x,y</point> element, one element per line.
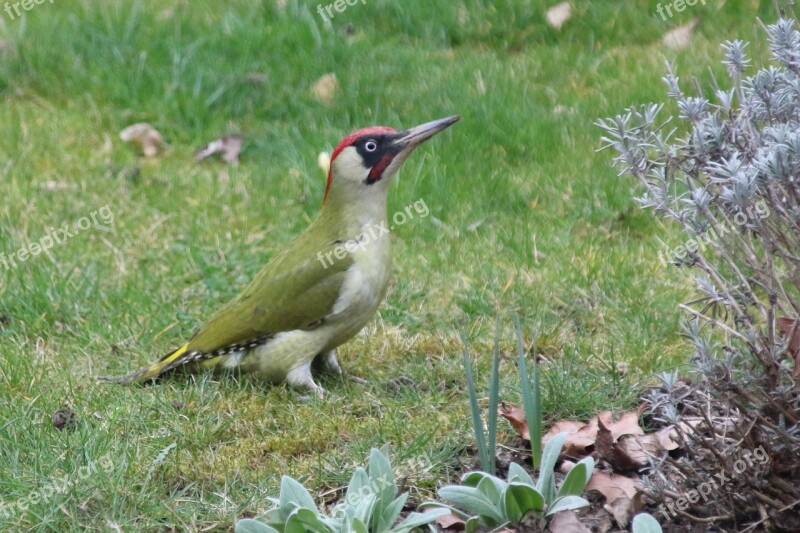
<point>525,218</point>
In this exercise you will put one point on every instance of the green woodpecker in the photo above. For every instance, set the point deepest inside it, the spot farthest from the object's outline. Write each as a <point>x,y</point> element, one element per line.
<point>324,287</point>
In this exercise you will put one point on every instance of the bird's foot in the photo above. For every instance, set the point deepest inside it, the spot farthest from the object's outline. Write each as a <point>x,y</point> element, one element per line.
<point>300,377</point>
<point>331,364</point>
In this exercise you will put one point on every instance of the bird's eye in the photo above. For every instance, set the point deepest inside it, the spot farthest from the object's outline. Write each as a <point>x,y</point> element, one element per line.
<point>370,146</point>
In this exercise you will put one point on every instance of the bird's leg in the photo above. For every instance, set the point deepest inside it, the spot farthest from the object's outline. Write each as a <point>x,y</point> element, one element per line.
<point>300,376</point>
<point>327,362</point>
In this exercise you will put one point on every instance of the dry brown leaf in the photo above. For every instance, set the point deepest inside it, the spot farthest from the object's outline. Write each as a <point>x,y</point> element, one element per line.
<point>621,494</point>
<point>622,454</point>
<point>621,442</point>
<point>567,522</point>
<point>145,137</point>
<point>679,37</point>
<point>582,437</point>
<point>325,88</point>
<point>449,521</point>
<point>787,327</point>
<point>558,14</point>
<point>516,417</point>
<point>628,424</point>
<point>666,437</point>
<point>229,146</point>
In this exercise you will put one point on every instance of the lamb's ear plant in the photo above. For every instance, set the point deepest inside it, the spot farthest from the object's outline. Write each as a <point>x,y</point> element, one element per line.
<point>370,505</point>
<point>486,501</point>
<point>645,523</point>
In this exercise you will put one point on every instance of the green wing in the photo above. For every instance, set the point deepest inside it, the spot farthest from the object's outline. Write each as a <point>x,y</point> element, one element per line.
<point>294,291</point>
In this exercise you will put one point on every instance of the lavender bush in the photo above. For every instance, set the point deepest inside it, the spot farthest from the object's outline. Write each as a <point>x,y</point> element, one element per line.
<point>727,171</point>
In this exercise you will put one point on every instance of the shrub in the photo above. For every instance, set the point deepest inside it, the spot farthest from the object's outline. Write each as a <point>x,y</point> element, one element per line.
<point>729,174</point>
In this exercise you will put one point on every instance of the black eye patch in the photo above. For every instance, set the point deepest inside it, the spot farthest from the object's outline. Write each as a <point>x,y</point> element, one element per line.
<point>384,145</point>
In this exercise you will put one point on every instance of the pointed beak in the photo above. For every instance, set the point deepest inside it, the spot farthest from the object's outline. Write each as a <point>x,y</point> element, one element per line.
<point>410,139</point>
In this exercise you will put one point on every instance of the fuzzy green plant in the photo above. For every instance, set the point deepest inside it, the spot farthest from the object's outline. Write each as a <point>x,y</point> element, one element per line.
<point>486,501</point>
<point>370,505</point>
<point>645,523</point>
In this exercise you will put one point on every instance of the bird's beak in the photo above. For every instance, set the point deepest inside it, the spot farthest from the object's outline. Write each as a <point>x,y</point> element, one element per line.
<point>410,139</point>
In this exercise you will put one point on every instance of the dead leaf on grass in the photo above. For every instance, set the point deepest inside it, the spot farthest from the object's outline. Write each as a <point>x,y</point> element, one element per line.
<point>679,37</point>
<point>516,417</point>
<point>145,137</point>
<point>229,146</point>
<point>558,14</point>
<point>325,88</point>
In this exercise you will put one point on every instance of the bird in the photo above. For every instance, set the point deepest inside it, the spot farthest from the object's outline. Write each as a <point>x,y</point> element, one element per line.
<point>323,287</point>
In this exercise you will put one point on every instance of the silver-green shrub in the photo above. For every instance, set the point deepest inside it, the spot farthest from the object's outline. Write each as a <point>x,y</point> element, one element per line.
<point>727,170</point>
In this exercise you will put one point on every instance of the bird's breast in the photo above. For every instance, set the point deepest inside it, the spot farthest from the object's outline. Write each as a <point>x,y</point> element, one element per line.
<point>366,280</point>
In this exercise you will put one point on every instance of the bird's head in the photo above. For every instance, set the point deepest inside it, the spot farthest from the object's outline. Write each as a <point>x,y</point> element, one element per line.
<point>366,160</point>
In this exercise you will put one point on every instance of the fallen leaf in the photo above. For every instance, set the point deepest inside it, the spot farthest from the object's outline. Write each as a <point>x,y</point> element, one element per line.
<point>448,521</point>
<point>558,14</point>
<point>679,37</point>
<point>145,137</point>
<point>622,495</point>
<point>567,522</point>
<point>787,327</point>
<point>614,453</point>
<point>451,521</point>
<point>631,451</point>
<point>516,417</point>
<point>325,88</point>
<point>229,146</point>
<point>582,436</point>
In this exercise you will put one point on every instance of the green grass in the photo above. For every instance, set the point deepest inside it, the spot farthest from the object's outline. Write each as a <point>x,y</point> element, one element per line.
<point>525,217</point>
